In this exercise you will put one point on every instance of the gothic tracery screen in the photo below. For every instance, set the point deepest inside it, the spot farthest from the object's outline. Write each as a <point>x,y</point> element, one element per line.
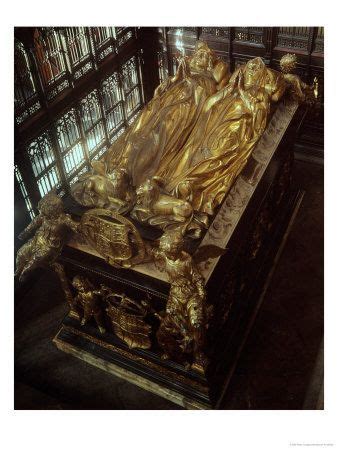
<point>50,69</point>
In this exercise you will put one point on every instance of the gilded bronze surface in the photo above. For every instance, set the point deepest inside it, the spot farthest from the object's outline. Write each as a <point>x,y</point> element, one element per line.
<point>127,317</point>
<point>183,325</point>
<point>88,301</point>
<point>113,236</point>
<point>50,229</point>
<point>296,87</point>
<point>156,207</point>
<point>100,189</point>
<point>178,161</point>
<point>171,169</point>
<point>167,120</point>
<point>230,124</point>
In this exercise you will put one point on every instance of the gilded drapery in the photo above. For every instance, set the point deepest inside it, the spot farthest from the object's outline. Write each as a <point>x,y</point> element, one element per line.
<point>223,138</point>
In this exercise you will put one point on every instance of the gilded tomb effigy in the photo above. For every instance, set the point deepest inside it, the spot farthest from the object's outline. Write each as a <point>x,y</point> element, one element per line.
<point>154,272</point>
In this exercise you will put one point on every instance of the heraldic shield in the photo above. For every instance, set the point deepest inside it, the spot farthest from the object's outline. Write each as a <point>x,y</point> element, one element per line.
<point>113,236</point>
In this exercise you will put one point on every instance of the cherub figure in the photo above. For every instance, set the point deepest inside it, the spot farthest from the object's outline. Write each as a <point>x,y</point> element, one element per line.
<point>297,88</point>
<point>88,300</point>
<point>183,326</point>
<point>50,227</point>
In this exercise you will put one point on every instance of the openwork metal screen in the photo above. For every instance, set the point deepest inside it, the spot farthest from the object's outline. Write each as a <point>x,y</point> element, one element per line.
<point>43,163</point>
<point>51,61</point>
<point>131,87</point>
<point>319,42</point>
<point>92,121</point>
<point>86,130</point>
<point>216,31</point>
<point>60,57</point>
<point>123,35</point>
<point>78,50</point>
<point>293,37</point>
<point>25,95</point>
<point>104,41</point>
<point>249,34</point>
<point>70,144</point>
<point>113,104</point>
<point>77,43</point>
<point>24,192</point>
<point>102,35</point>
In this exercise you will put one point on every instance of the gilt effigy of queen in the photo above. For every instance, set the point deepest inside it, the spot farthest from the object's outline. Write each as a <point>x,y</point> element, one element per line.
<point>178,169</point>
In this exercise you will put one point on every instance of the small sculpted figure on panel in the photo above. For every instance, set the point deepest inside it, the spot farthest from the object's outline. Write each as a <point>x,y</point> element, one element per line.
<point>88,301</point>
<point>128,320</point>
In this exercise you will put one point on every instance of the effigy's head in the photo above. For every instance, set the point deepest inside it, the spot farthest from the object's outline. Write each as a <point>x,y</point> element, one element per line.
<point>288,63</point>
<point>203,57</point>
<point>172,242</point>
<point>254,65</point>
<point>50,205</point>
<point>254,71</point>
<point>81,284</point>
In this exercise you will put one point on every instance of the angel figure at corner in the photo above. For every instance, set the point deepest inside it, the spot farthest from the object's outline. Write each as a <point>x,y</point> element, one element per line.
<point>50,227</point>
<point>182,330</point>
<point>296,87</point>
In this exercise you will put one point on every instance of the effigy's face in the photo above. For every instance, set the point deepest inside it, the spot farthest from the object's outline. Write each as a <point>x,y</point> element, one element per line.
<point>200,60</point>
<point>253,67</point>
<point>253,70</point>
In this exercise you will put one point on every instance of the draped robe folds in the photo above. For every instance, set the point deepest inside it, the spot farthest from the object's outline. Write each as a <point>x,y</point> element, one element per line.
<point>162,128</point>
<point>221,143</point>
